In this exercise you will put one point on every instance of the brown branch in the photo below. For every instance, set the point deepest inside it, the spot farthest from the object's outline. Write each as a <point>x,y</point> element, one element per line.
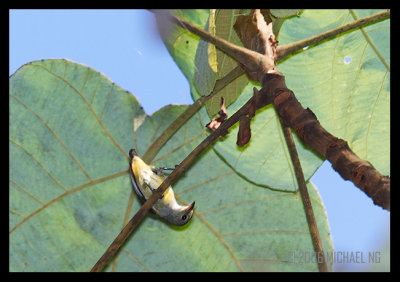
<point>335,150</point>
<point>287,49</point>
<point>253,61</point>
<point>306,125</point>
<point>254,34</point>
<point>141,213</point>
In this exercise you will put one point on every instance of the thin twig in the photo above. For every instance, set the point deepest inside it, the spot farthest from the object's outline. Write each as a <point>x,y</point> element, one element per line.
<point>368,39</point>
<point>305,197</point>
<point>287,49</point>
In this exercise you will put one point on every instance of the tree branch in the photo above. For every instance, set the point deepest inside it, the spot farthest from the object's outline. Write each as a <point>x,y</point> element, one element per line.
<point>253,61</point>
<point>335,150</point>
<point>304,122</point>
<point>254,34</point>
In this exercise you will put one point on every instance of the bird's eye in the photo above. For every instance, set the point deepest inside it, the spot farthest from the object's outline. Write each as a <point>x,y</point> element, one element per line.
<point>184,217</point>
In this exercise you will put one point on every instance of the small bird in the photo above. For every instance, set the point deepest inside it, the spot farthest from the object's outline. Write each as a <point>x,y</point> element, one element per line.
<point>146,179</point>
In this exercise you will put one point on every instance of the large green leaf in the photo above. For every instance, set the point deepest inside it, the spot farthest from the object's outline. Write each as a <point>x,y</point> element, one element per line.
<point>70,192</point>
<point>70,131</point>
<point>213,64</point>
<point>181,43</point>
<point>206,61</point>
<point>201,63</point>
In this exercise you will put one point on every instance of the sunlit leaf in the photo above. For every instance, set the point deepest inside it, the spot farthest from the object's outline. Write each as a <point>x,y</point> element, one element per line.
<point>70,131</point>
<point>70,192</point>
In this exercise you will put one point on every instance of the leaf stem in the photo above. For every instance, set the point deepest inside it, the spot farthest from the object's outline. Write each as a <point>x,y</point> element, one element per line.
<point>371,43</point>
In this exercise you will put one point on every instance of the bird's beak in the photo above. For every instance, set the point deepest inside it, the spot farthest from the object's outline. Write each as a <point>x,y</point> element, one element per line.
<point>190,207</point>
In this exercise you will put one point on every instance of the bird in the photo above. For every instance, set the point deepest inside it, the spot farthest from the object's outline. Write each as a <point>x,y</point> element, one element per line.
<point>146,179</point>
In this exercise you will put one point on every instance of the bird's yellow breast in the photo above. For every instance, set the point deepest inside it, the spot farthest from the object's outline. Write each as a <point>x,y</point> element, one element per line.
<point>146,177</point>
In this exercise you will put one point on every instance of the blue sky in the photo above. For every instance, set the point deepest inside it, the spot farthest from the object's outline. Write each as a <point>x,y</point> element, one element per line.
<point>125,46</point>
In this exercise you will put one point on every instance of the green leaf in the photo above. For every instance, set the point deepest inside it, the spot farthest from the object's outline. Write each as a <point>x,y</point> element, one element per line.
<point>285,13</point>
<point>181,43</point>
<point>345,81</point>
<point>70,131</point>
<point>206,63</point>
<point>222,21</point>
<point>194,56</point>
<point>278,16</point>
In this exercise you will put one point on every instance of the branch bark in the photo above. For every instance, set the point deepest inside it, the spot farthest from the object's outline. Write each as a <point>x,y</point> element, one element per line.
<point>303,121</point>
<point>336,150</point>
<point>256,34</point>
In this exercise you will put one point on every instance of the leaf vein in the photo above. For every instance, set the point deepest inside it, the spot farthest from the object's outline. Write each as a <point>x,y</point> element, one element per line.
<point>89,107</point>
<point>100,180</point>
<point>55,136</point>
